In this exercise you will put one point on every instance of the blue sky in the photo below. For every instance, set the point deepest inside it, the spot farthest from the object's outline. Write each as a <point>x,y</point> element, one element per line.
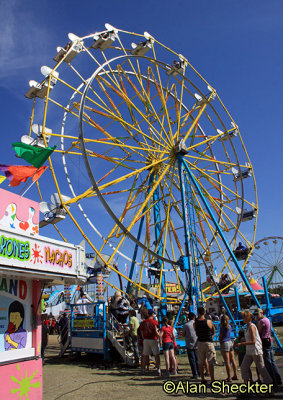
<point>235,45</point>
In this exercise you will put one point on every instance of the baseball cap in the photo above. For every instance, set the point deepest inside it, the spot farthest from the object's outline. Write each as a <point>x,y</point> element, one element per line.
<point>151,312</point>
<point>257,311</point>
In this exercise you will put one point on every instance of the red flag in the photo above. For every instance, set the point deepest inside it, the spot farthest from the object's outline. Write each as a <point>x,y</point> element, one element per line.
<point>38,173</point>
<point>20,173</point>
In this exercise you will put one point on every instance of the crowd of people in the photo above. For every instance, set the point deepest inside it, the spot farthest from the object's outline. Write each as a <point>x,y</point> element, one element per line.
<point>145,337</point>
<point>252,344</point>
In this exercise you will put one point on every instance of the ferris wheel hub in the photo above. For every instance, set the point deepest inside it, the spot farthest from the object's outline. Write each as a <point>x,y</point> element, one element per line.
<point>180,148</point>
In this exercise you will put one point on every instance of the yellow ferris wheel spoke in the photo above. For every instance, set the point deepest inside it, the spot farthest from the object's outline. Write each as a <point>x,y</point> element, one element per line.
<point>150,106</point>
<point>128,128</point>
<point>116,227</point>
<point>161,89</point>
<point>212,199</point>
<point>139,77</point>
<point>148,197</point>
<point>160,92</point>
<point>218,212</point>
<point>211,179</point>
<point>141,98</point>
<point>116,181</point>
<point>136,172</point>
<point>199,210</point>
<point>181,102</point>
<point>175,205</point>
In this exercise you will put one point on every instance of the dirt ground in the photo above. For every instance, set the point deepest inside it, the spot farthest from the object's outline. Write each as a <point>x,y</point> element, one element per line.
<point>86,378</point>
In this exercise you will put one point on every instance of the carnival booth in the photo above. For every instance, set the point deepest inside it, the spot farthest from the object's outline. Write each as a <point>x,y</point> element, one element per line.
<point>28,263</point>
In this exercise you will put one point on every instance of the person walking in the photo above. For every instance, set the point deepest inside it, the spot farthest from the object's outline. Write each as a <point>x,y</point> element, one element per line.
<point>191,344</point>
<point>64,333</point>
<point>264,330</point>
<point>226,348</point>
<point>253,351</point>
<point>205,331</point>
<point>44,337</point>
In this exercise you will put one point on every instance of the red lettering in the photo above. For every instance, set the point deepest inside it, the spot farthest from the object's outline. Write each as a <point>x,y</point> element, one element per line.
<point>23,289</point>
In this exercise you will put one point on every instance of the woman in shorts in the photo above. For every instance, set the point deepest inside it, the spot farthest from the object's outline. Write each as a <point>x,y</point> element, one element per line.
<point>254,352</point>
<point>167,337</point>
<point>226,347</point>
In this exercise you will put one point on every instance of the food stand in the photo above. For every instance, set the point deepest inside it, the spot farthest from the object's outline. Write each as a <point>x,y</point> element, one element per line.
<point>28,263</point>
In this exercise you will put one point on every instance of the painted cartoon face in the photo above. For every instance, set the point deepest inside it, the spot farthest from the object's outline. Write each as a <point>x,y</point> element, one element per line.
<point>16,319</point>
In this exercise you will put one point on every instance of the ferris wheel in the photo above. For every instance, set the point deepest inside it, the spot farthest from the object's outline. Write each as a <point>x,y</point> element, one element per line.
<point>147,149</point>
<point>267,260</point>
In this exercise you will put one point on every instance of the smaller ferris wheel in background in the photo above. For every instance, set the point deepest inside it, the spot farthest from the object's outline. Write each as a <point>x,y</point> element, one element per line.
<point>267,260</point>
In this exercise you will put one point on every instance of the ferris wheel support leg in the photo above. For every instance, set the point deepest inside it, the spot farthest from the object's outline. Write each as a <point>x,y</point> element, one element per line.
<point>135,255</point>
<point>237,299</point>
<point>189,291</point>
<point>156,213</point>
<point>268,304</point>
<point>239,269</point>
<point>269,314</point>
<point>181,308</point>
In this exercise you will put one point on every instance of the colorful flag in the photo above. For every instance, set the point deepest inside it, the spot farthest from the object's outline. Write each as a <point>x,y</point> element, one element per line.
<point>36,156</point>
<point>2,178</point>
<point>20,173</point>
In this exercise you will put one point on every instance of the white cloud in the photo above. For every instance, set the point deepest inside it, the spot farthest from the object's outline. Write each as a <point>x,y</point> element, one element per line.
<point>22,39</point>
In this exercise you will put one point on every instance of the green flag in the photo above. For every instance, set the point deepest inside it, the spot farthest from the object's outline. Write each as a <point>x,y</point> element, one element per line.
<point>36,156</point>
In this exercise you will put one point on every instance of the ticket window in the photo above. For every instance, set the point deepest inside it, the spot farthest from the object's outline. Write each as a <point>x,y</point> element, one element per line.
<point>15,319</point>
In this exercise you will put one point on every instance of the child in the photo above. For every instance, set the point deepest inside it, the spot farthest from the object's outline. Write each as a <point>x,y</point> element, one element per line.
<point>240,349</point>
